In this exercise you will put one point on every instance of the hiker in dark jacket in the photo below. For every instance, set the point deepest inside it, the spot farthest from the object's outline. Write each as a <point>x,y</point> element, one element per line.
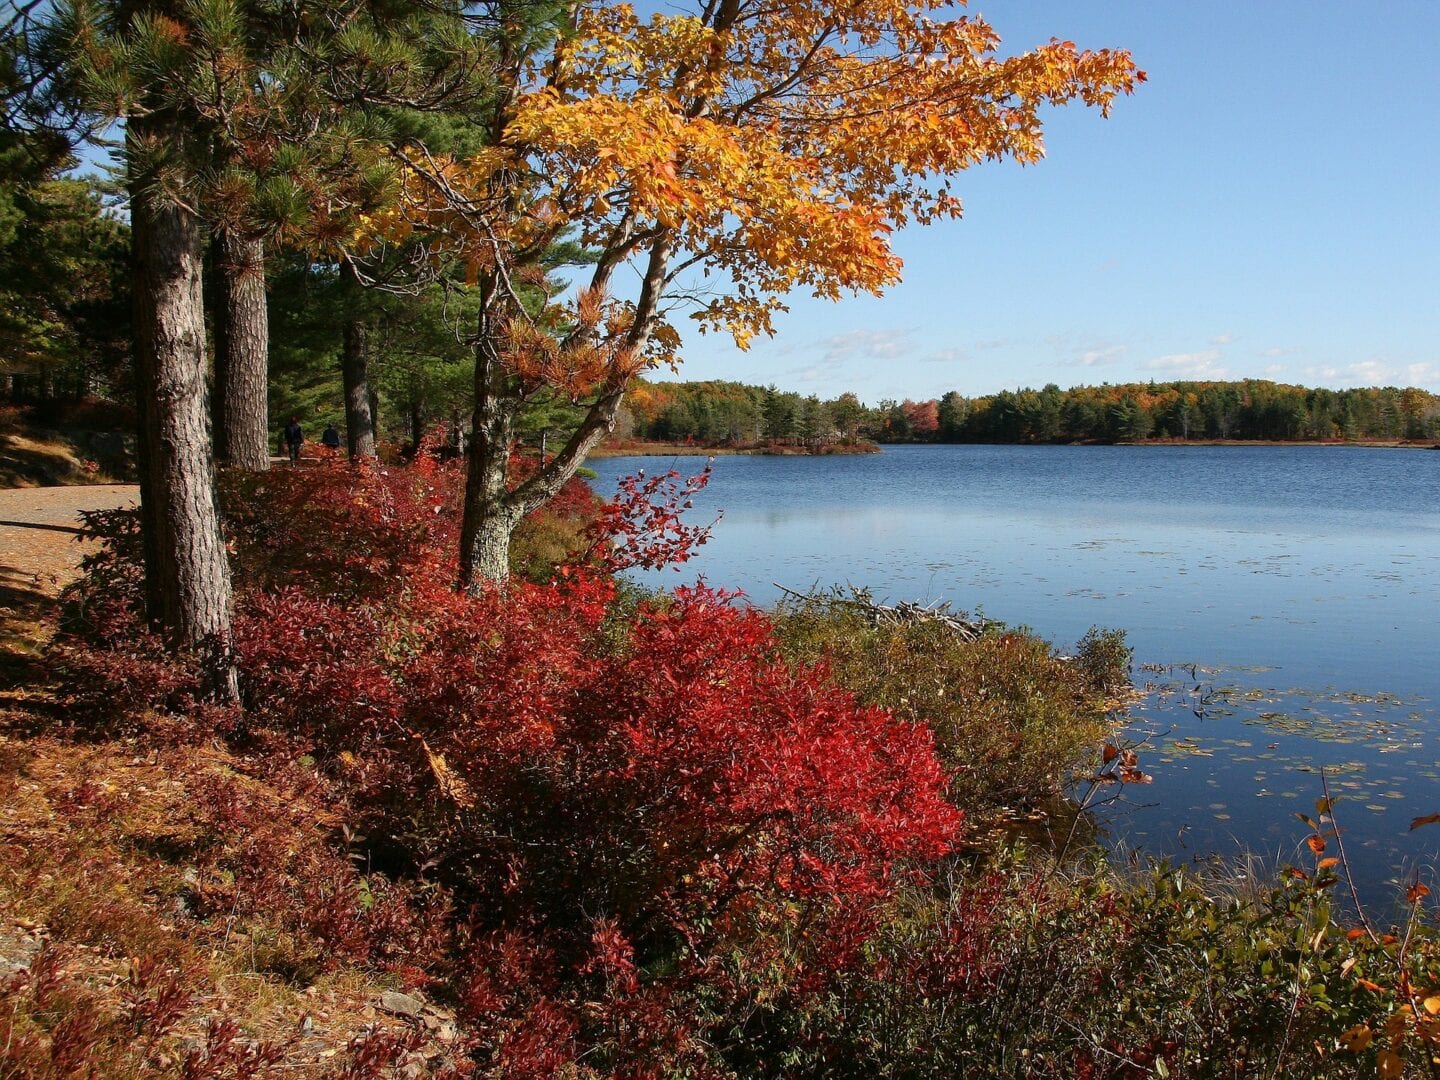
<point>294,436</point>
<point>330,437</point>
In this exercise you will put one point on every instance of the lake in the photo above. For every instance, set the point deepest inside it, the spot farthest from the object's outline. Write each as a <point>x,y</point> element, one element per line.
<point>1281,602</point>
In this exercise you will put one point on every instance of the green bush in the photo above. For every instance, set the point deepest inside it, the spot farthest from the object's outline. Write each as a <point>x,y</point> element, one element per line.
<point>1005,968</point>
<point>1103,659</point>
<point>1012,720</point>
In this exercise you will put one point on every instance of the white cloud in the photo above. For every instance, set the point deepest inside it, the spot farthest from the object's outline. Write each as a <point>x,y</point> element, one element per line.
<point>1374,371</point>
<point>1223,339</point>
<point>947,356</point>
<point>1100,356</point>
<point>1276,369</point>
<point>1425,376</point>
<point>1278,351</point>
<point>866,345</point>
<point>1192,365</point>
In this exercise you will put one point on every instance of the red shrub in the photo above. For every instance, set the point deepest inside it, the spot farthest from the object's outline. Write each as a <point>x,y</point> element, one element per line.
<point>646,811</point>
<point>654,782</point>
<point>643,525</point>
<point>346,530</point>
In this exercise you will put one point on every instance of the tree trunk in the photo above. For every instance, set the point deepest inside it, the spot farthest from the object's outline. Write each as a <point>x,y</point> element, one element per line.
<point>190,574</point>
<point>242,341</point>
<point>489,549</point>
<point>354,367</point>
<point>489,516</point>
<point>492,512</point>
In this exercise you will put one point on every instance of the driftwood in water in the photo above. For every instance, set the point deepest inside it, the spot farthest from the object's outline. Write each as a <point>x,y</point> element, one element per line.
<point>904,613</point>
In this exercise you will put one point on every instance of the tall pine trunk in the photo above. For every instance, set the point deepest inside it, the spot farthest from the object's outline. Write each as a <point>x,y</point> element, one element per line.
<point>355,373</point>
<point>188,577</point>
<point>242,360</point>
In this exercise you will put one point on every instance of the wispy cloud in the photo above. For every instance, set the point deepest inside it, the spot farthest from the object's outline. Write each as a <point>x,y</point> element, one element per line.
<point>1375,371</point>
<point>1204,364</point>
<point>947,356</point>
<point>1278,351</point>
<point>1224,339</point>
<point>866,345</point>
<point>1100,356</point>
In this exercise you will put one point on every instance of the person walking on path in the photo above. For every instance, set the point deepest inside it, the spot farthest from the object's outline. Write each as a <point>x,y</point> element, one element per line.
<point>294,436</point>
<point>330,438</point>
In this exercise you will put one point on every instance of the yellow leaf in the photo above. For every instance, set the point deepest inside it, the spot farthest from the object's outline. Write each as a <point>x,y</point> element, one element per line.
<point>1356,1038</point>
<point>451,785</point>
<point>1432,1005</point>
<point>1389,1064</point>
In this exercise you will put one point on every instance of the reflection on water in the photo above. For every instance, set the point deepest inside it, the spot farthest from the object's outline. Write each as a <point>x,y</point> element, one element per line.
<point>1283,599</point>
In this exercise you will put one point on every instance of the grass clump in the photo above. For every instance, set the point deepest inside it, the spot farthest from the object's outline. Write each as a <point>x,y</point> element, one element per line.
<point>610,833</point>
<point>1012,719</point>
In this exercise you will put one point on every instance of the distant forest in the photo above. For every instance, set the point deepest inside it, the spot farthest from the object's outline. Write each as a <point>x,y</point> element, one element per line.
<point>735,414</point>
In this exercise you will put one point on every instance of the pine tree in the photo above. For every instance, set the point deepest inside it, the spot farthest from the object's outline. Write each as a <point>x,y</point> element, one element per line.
<point>279,90</point>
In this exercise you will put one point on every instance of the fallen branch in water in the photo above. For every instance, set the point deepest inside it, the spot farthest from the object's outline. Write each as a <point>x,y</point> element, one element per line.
<point>900,614</point>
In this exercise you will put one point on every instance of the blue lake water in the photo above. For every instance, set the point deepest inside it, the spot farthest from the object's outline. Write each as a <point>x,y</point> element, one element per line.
<point>1281,602</point>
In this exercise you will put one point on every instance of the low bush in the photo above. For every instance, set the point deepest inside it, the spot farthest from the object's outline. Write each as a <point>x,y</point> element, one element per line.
<point>1014,970</point>
<point>621,810</point>
<point>666,835</point>
<point>1012,720</point>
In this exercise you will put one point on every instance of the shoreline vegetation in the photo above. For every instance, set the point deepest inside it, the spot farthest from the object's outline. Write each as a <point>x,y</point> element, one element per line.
<point>655,448</point>
<point>1247,412</point>
<point>626,832</point>
<point>652,448</point>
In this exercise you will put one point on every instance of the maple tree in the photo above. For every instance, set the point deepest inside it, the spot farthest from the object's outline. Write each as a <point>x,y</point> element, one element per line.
<point>761,148</point>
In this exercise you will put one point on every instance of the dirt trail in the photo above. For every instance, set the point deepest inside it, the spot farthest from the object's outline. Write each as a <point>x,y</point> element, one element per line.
<point>39,528</point>
<point>40,551</point>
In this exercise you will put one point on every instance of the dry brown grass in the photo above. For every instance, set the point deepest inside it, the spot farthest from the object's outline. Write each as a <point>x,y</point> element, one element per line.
<point>128,943</point>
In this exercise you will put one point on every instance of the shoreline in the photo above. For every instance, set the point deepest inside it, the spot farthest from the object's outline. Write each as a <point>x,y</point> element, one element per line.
<point>1371,444</point>
<point>653,449</point>
<point>659,449</point>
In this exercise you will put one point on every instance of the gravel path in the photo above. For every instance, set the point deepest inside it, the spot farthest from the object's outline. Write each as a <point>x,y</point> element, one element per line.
<point>38,531</point>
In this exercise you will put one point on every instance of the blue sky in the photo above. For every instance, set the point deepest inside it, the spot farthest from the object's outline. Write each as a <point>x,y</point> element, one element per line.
<point>1266,206</point>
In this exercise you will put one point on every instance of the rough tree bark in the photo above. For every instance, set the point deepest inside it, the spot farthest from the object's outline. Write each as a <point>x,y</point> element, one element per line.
<point>355,373</point>
<point>188,577</point>
<point>242,339</point>
<point>489,517</point>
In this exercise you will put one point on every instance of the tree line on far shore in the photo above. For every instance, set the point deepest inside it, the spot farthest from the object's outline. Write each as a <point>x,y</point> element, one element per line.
<point>730,413</point>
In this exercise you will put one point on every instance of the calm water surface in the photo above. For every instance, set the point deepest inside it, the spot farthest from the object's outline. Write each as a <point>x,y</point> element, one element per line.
<point>1282,602</point>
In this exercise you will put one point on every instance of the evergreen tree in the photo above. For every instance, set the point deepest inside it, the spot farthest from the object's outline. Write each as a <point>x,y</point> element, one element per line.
<point>64,290</point>
<point>299,154</point>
